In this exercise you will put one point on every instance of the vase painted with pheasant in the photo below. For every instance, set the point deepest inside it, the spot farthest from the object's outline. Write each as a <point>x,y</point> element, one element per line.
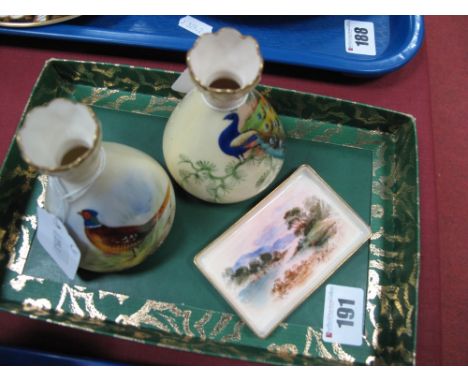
<point>224,142</point>
<point>116,202</point>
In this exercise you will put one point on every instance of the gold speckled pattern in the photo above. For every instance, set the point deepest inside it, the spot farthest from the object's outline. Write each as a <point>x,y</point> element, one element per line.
<point>19,282</point>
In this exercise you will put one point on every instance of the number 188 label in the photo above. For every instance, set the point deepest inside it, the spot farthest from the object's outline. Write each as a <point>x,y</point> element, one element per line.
<point>360,37</point>
<point>343,315</point>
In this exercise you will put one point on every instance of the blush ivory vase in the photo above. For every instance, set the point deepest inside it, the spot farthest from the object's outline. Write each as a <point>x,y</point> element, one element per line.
<point>117,202</point>
<point>223,143</point>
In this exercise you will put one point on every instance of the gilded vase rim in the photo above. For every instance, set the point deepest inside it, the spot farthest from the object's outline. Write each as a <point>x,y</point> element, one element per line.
<point>241,89</point>
<point>78,160</point>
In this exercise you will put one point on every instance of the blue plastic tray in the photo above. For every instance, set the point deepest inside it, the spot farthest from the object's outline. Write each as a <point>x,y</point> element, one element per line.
<point>312,41</point>
<point>11,356</point>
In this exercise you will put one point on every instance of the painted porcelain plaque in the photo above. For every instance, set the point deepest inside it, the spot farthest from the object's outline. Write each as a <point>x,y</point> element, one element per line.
<point>117,202</point>
<point>271,260</point>
<point>224,142</point>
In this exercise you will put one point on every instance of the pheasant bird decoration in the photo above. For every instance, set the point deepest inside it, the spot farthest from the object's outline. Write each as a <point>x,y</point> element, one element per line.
<point>117,240</point>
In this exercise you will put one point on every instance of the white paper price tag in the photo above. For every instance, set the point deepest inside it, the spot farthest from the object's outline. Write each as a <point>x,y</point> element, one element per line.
<point>343,315</point>
<point>195,26</point>
<point>183,83</point>
<point>53,236</point>
<point>360,37</point>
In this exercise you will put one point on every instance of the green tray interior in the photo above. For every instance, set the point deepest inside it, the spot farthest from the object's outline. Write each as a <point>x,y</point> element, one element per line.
<point>169,274</point>
<point>367,155</point>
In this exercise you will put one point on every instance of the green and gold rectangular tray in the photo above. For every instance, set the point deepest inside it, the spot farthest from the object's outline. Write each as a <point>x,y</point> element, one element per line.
<point>367,155</point>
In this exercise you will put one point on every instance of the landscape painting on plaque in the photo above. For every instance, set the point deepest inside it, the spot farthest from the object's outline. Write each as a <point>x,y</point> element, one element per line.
<point>283,249</point>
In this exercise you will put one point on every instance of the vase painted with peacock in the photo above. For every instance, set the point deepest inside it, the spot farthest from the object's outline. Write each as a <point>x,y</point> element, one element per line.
<point>116,202</point>
<point>224,142</point>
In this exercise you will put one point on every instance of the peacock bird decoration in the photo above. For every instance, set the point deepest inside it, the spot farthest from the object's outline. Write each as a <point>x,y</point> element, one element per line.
<point>229,138</point>
<point>118,240</point>
<point>262,130</point>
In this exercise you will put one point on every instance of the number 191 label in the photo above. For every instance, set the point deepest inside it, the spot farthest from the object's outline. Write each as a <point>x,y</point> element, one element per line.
<point>343,315</point>
<point>360,37</point>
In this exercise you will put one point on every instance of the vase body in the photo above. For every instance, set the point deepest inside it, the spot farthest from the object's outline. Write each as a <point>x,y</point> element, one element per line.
<point>223,142</point>
<point>117,202</point>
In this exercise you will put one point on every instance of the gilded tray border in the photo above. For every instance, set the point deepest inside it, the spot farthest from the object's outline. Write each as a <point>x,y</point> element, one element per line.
<point>390,329</point>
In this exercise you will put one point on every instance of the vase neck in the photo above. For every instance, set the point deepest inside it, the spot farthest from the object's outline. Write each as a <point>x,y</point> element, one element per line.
<point>74,183</point>
<point>224,102</point>
<point>86,170</point>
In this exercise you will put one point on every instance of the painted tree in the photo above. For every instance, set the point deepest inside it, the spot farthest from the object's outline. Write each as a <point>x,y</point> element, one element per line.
<point>312,223</point>
<point>255,268</point>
